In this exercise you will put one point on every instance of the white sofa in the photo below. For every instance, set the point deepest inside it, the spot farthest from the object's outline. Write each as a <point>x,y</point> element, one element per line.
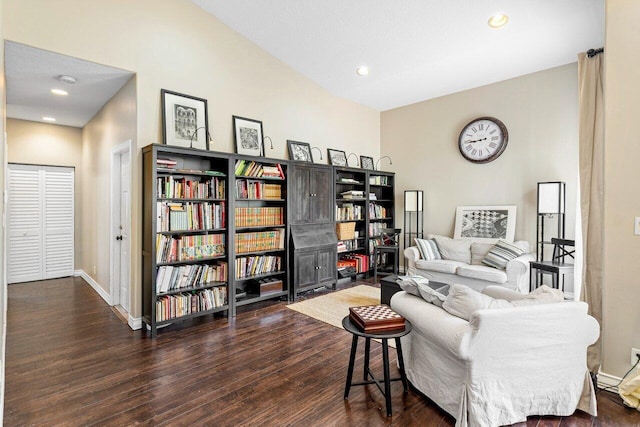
<point>502,365</point>
<point>468,270</point>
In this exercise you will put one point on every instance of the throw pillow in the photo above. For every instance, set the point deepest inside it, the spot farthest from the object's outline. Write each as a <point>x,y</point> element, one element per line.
<point>479,251</point>
<point>434,293</point>
<point>463,301</point>
<point>409,284</point>
<point>428,249</point>
<point>501,253</point>
<point>454,249</point>
<point>541,295</point>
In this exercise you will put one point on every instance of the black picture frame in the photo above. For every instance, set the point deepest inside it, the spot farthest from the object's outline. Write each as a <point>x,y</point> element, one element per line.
<point>248,136</point>
<point>337,157</point>
<point>299,151</point>
<point>182,117</point>
<point>366,162</point>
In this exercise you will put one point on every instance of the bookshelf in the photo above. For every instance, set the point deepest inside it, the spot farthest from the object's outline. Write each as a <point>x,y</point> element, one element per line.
<point>185,235</point>
<point>381,209</point>
<point>260,231</point>
<point>351,220</point>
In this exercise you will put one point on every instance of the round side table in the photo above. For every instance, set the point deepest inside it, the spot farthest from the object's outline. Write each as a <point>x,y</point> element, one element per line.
<point>368,377</point>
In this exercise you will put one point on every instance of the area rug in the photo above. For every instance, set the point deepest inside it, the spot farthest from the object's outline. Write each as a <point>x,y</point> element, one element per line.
<point>333,307</point>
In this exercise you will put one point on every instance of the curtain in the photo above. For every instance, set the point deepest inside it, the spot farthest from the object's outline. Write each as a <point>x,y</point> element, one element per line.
<point>591,158</point>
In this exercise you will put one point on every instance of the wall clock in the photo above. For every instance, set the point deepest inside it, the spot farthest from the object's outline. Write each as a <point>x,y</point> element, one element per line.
<point>483,140</point>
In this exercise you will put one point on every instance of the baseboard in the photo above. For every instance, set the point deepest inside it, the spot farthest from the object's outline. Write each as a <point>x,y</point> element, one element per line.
<point>608,381</point>
<point>96,287</point>
<point>135,323</point>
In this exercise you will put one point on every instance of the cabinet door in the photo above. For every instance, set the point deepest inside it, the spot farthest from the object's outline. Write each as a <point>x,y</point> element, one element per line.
<point>305,269</point>
<point>322,201</point>
<point>300,190</point>
<point>327,259</point>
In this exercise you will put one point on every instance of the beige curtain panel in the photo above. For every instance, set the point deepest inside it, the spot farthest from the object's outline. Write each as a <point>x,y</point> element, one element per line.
<point>591,154</point>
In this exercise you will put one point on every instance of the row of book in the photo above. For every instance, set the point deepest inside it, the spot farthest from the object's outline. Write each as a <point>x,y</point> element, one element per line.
<point>174,216</point>
<point>378,211</point>
<point>166,163</point>
<point>250,189</point>
<point>359,262</point>
<point>190,247</point>
<point>259,241</point>
<point>379,180</point>
<point>349,212</point>
<point>347,245</point>
<point>375,228</point>
<point>257,265</point>
<point>352,194</point>
<point>257,169</point>
<point>174,277</point>
<point>170,187</point>
<point>174,306</point>
<point>259,217</point>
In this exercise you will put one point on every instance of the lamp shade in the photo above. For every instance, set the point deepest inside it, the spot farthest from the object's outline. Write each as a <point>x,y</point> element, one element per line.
<point>551,197</point>
<point>413,200</point>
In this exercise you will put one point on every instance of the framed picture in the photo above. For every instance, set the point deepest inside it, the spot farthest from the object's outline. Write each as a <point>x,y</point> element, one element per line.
<point>485,223</point>
<point>299,151</point>
<point>247,134</point>
<point>182,117</point>
<point>337,157</point>
<point>366,162</point>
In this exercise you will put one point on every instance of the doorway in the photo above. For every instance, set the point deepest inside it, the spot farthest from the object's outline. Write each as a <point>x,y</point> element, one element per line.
<point>120,226</point>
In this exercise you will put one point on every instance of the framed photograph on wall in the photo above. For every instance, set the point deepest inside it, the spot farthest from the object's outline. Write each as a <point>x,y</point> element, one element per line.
<point>486,223</point>
<point>247,134</point>
<point>182,117</point>
<point>299,151</point>
<point>337,157</point>
<point>366,163</point>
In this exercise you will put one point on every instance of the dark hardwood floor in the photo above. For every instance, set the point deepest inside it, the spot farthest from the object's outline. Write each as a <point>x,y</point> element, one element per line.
<point>71,361</point>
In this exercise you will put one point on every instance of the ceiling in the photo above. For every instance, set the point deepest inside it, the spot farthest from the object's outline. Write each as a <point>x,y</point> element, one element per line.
<point>415,49</point>
<point>31,74</point>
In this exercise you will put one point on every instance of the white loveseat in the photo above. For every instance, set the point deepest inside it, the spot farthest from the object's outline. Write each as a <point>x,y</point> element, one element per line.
<point>503,364</point>
<point>461,263</point>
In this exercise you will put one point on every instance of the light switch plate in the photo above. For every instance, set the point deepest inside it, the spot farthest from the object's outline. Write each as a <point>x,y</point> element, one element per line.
<point>636,227</point>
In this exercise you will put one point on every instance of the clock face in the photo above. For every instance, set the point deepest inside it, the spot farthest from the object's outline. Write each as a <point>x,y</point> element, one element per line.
<point>483,140</point>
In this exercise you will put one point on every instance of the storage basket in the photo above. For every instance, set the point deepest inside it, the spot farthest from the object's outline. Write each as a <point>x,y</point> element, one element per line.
<point>346,230</point>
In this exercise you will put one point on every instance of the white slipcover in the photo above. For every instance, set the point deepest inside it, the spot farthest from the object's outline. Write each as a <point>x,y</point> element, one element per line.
<point>504,364</point>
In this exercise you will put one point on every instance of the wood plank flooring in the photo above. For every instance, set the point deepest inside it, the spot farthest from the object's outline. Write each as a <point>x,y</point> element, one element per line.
<point>72,361</point>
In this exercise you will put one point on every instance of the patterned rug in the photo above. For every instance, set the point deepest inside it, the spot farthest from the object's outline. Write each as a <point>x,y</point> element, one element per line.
<point>333,307</point>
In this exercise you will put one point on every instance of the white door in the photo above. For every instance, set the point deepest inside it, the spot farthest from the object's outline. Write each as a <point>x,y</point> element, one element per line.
<point>40,219</point>
<point>125,214</point>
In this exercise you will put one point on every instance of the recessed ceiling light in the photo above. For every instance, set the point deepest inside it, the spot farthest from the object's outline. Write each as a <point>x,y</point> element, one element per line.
<point>49,119</point>
<point>498,20</point>
<point>362,71</point>
<point>60,92</point>
<point>67,79</point>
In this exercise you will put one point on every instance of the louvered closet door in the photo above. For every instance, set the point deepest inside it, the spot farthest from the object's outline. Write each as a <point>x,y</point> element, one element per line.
<point>58,226</point>
<point>24,207</point>
<point>40,222</point>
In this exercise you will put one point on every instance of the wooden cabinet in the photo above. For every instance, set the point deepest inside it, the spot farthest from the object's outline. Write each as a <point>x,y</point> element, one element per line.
<point>311,197</point>
<point>314,256</point>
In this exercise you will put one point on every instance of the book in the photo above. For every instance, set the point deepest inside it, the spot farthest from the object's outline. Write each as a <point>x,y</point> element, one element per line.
<point>376,318</point>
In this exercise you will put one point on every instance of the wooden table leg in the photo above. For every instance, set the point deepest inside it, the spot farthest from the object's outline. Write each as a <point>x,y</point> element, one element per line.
<point>387,380</point>
<point>405,383</point>
<point>352,358</point>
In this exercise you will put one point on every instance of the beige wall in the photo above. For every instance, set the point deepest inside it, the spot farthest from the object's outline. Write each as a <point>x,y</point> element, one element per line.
<point>53,145</point>
<point>540,112</point>
<point>621,316</point>
<point>177,46</point>
<point>113,125</point>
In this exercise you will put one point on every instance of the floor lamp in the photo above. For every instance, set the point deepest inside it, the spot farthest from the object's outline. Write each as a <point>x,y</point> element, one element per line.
<point>413,217</point>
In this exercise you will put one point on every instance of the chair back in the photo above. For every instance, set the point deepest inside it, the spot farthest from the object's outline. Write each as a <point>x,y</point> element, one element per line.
<point>562,248</point>
<point>390,236</point>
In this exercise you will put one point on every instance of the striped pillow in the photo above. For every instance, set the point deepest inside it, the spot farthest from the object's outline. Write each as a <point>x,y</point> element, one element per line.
<point>428,249</point>
<point>501,253</point>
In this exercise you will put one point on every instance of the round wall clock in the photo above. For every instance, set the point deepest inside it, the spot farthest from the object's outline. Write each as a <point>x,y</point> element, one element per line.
<point>483,140</point>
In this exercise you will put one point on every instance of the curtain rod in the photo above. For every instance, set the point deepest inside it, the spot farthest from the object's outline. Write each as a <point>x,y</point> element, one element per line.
<point>593,52</point>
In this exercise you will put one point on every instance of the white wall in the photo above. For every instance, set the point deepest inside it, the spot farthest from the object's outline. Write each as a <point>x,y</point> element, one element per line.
<point>540,111</point>
<point>175,45</point>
